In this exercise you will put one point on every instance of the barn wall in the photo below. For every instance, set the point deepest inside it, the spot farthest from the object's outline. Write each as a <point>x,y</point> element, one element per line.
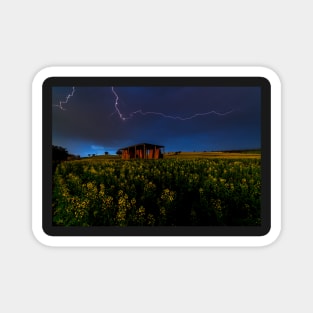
<point>140,152</point>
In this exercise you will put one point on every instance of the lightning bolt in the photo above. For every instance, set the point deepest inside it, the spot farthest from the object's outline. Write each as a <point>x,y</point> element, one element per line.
<point>117,110</point>
<point>140,112</point>
<point>60,105</point>
<point>177,117</point>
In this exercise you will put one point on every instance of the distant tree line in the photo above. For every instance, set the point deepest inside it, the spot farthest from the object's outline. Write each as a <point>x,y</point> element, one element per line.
<point>60,154</point>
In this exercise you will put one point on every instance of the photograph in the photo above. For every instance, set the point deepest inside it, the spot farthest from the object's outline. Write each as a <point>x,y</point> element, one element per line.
<point>156,155</point>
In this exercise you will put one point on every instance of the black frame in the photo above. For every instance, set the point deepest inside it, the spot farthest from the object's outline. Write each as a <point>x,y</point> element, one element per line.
<point>51,230</point>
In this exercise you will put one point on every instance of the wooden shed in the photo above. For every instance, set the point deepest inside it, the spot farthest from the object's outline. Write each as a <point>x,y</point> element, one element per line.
<point>142,151</point>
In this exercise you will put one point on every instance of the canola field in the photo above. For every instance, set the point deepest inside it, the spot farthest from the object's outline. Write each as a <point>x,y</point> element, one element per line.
<point>166,192</point>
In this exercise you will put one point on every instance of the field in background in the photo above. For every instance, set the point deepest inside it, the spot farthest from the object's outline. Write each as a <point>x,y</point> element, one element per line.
<point>213,155</point>
<point>244,154</point>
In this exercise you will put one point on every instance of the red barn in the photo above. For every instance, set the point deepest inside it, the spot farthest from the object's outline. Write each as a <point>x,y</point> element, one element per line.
<point>142,151</point>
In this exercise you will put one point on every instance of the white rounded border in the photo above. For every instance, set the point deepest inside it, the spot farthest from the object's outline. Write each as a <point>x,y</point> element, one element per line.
<point>160,241</point>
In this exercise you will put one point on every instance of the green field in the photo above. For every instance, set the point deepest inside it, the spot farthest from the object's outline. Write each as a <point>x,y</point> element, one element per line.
<point>214,155</point>
<point>179,190</point>
<point>244,154</point>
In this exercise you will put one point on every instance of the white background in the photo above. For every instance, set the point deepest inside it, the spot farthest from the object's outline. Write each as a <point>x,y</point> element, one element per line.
<point>36,34</point>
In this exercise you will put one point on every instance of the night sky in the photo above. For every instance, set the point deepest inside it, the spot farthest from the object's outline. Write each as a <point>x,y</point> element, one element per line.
<point>94,121</point>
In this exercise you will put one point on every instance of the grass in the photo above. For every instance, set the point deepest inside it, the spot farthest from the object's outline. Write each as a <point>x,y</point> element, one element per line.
<point>233,154</point>
<point>213,155</point>
<point>103,157</point>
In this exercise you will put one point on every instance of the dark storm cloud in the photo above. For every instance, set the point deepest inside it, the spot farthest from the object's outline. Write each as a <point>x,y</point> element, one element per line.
<point>91,119</point>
